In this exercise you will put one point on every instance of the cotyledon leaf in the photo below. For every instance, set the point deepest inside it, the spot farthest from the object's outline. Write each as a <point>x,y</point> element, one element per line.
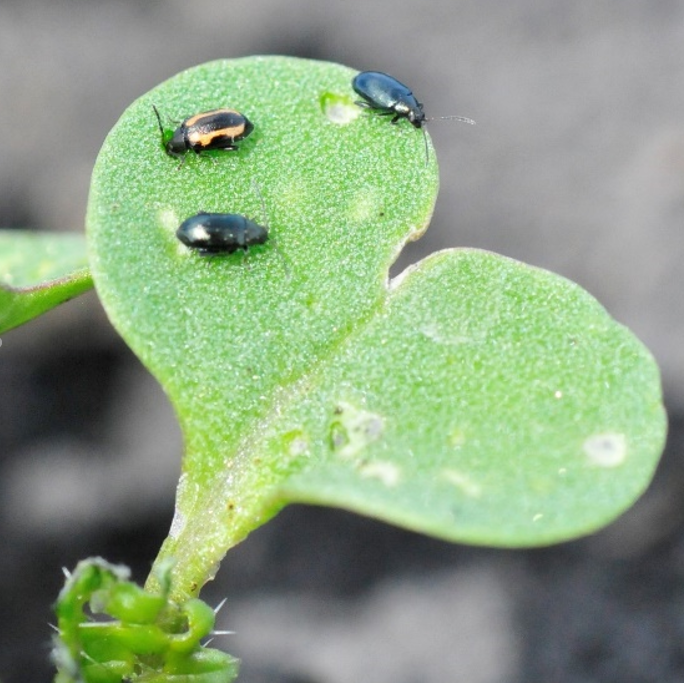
<point>38,271</point>
<point>473,397</point>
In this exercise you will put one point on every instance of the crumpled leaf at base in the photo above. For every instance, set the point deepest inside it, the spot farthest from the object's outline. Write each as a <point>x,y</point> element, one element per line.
<point>110,630</point>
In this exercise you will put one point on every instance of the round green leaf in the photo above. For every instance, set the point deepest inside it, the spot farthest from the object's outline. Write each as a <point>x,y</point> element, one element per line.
<point>473,398</point>
<point>489,402</point>
<point>38,271</point>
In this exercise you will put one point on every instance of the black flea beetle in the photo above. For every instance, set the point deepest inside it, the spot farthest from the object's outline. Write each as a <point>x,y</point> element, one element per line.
<point>388,97</point>
<point>216,129</point>
<point>216,234</point>
<point>210,234</point>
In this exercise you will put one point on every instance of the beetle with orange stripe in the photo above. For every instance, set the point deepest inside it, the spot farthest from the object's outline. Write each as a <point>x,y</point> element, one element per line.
<point>218,129</point>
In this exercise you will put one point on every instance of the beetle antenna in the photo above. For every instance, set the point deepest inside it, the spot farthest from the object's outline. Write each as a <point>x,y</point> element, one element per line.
<point>161,128</point>
<point>462,119</point>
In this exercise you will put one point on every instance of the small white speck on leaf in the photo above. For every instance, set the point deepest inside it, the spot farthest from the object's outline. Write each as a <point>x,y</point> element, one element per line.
<point>463,482</point>
<point>299,446</point>
<point>387,472</point>
<point>606,450</point>
<point>353,429</point>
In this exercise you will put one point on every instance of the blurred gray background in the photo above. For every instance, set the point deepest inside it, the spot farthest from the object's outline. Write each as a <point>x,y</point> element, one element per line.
<point>576,165</point>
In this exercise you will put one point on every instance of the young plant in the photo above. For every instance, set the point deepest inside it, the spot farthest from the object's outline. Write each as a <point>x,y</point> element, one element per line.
<point>472,397</point>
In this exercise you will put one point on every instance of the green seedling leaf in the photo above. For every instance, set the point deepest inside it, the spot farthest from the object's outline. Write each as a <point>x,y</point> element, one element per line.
<point>39,271</point>
<point>473,397</point>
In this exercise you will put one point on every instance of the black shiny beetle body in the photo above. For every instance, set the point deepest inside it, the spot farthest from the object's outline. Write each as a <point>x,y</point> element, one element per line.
<point>216,129</point>
<point>210,234</point>
<point>388,97</point>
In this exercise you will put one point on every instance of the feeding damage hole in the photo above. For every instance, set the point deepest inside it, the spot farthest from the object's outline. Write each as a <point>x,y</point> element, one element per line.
<point>606,450</point>
<point>338,109</point>
<point>352,429</point>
